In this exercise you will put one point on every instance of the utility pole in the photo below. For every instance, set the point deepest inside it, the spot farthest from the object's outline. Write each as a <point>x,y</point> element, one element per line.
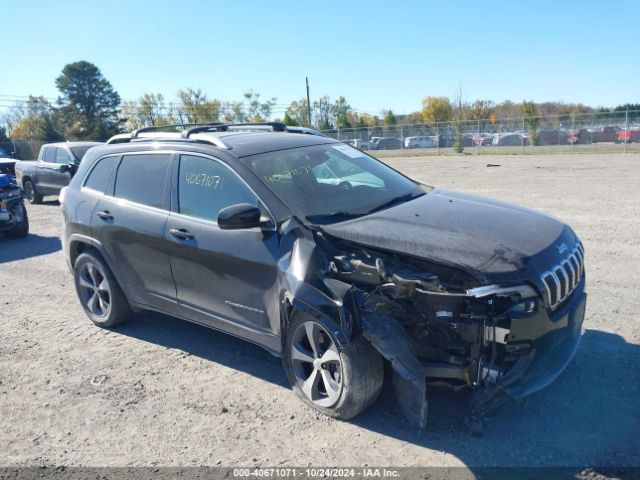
<point>627,133</point>
<point>308,102</point>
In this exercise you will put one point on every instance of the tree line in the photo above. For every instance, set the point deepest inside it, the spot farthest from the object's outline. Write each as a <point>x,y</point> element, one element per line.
<point>89,108</point>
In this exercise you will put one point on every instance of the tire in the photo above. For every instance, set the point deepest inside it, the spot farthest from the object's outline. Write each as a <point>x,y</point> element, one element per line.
<point>31,192</point>
<point>22,230</point>
<point>99,293</point>
<point>354,373</point>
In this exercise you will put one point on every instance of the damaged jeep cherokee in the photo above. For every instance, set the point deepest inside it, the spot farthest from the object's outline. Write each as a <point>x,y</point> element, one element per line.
<point>329,259</point>
<point>14,221</point>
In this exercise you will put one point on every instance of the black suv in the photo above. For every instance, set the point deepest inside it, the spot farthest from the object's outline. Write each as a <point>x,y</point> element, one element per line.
<point>330,259</point>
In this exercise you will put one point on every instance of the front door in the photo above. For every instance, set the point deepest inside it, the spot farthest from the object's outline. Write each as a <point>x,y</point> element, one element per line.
<point>224,278</point>
<point>61,179</point>
<point>47,169</point>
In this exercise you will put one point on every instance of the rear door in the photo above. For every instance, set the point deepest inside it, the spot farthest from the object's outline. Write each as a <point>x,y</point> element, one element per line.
<point>224,278</point>
<point>130,222</point>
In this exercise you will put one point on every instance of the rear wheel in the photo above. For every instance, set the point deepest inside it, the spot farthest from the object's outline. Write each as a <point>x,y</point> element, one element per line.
<point>338,381</point>
<point>100,295</point>
<point>31,193</point>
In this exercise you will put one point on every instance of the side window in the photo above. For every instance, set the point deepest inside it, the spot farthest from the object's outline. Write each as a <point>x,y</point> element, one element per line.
<point>141,179</point>
<point>49,154</point>
<point>100,174</point>
<point>62,156</point>
<point>205,187</point>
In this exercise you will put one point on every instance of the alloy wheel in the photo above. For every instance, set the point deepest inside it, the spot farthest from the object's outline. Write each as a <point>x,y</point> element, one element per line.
<point>95,292</point>
<point>29,192</point>
<point>316,364</point>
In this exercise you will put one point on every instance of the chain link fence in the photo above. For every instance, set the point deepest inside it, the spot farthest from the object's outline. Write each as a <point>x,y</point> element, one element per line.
<point>602,131</point>
<point>592,132</point>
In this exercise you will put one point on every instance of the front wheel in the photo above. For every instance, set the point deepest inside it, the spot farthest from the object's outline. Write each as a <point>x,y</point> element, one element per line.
<point>338,381</point>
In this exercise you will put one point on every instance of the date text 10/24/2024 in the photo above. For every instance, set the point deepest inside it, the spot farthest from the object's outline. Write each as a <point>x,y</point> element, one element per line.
<point>309,472</point>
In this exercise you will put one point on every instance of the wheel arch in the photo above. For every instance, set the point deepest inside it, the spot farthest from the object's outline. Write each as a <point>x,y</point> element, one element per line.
<point>27,177</point>
<point>335,315</point>
<point>80,244</point>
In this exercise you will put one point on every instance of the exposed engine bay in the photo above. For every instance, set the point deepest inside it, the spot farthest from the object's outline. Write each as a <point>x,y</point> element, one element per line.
<point>437,327</point>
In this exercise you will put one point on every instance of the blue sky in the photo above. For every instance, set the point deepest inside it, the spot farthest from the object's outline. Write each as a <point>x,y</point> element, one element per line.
<point>378,54</point>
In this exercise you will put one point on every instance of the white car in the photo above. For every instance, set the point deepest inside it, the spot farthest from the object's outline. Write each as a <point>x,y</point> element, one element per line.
<point>421,142</point>
<point>359,144</point>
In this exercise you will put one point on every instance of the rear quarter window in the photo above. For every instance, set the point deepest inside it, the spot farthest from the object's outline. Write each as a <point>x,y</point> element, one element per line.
<point>142,179</point>
<point>100,174</point>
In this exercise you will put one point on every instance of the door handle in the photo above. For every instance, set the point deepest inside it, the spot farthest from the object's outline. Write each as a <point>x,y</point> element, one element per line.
<point>105,215</point>
<point>181,233</point>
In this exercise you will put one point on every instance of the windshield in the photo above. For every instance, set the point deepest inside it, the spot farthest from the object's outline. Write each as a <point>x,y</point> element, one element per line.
<point>331,182</point>
<point>3,154</point>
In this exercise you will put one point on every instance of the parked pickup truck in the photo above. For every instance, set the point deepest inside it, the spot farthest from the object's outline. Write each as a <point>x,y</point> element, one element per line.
<point>56,164</point>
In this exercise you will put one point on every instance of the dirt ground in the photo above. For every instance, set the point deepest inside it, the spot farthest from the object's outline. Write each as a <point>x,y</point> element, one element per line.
<point>163,392</point>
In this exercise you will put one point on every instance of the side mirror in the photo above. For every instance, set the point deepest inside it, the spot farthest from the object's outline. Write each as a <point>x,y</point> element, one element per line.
<point>240,216</point>
<point>64,168</point>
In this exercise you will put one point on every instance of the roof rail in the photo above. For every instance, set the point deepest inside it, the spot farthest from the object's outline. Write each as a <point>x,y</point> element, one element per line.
<point>305,130</point>
<point>182,126</point>
<point>276,126</point>
<point>223,127</point>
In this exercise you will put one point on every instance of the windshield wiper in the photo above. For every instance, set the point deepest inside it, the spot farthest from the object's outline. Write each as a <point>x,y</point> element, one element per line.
<point>395,200</point>
<point>333,216</point>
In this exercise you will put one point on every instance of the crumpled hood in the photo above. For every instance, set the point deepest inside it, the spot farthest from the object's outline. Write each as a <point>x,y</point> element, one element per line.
<point>493,240</point>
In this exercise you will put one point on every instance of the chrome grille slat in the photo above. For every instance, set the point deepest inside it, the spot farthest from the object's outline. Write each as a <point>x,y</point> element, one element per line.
<point>576,268</point>
<point>568,268</point>
<point>564,282</point>
<point>548,280</point>
<point>580,251</point>
<point>562,279</point>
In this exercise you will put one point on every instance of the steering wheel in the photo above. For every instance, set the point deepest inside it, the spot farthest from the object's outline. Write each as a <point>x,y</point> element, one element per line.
<point>345,185</point>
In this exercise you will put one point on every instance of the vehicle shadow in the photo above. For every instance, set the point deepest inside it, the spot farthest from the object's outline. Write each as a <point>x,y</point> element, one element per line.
<point>588,417</point>
<point>205,343</point>
<point>12,249</point>
<point>50,203</point>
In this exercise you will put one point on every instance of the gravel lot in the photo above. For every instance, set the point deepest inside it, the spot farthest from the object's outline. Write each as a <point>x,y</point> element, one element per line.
<point>160,391</point>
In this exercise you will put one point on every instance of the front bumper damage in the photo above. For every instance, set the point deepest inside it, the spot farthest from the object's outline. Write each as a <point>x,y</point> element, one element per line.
<point>516,352</point>
<point>11,213</point>
<point>437,327</point>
